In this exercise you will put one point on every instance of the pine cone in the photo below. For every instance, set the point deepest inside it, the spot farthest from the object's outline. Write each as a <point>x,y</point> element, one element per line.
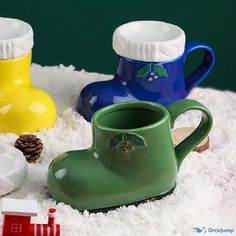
<point>30,145</point>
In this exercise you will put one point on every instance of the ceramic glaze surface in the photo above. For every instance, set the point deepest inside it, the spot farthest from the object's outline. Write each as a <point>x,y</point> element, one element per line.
<point>16,38</point>
<point>16,28</point>
<point>132,157</point>
<point>150,33</point>
<point>13,168</point>
<point>23,107</point>
<point>149,41</point>
<point>160,82</point>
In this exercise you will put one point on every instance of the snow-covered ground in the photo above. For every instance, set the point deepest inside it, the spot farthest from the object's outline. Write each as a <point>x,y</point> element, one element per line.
<point>205,195</point>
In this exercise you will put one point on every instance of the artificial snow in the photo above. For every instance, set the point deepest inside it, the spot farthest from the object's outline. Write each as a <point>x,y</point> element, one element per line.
<point>205,194</point>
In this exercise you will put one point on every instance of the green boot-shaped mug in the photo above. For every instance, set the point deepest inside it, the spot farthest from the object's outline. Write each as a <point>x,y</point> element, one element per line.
<point>132,157</point>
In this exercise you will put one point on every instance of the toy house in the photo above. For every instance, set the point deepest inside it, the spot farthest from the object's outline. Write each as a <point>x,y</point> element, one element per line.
<point>17,217</point>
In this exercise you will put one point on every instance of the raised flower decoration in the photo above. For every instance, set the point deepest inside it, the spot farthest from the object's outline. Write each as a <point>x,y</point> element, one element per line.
<point>152,72</point>
<point>126,142</point>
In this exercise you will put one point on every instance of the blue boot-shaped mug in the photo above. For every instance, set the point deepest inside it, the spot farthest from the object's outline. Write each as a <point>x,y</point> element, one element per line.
<point>151,62</point>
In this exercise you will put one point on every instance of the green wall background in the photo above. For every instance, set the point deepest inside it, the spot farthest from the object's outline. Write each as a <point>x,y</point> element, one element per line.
<point>80,32</point>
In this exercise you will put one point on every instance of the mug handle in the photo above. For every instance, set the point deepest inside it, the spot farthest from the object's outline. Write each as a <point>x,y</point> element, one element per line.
<point>198,135</point>
<point>194,78</point>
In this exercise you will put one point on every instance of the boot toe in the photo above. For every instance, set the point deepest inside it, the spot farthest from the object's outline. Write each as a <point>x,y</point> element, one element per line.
<point>100,94</point>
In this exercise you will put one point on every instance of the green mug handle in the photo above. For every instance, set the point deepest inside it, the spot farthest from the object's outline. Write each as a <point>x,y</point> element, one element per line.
<point>198,135</point>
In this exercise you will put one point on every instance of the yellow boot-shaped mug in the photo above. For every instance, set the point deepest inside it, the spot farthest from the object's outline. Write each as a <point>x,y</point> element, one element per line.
<point>23,107</point>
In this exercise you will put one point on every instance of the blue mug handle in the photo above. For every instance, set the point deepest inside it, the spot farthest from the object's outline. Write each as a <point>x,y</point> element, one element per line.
<point>194,78</point>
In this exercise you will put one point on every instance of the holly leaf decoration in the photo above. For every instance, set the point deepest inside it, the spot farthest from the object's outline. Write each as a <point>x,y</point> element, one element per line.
<point>115,140</point>
<point>118,140</point>
<point>160,70</point>
<point>143,70</point>
<point>136,140</point>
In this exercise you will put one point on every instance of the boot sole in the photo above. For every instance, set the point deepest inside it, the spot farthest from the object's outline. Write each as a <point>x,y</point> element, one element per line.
<point>159,197</point>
